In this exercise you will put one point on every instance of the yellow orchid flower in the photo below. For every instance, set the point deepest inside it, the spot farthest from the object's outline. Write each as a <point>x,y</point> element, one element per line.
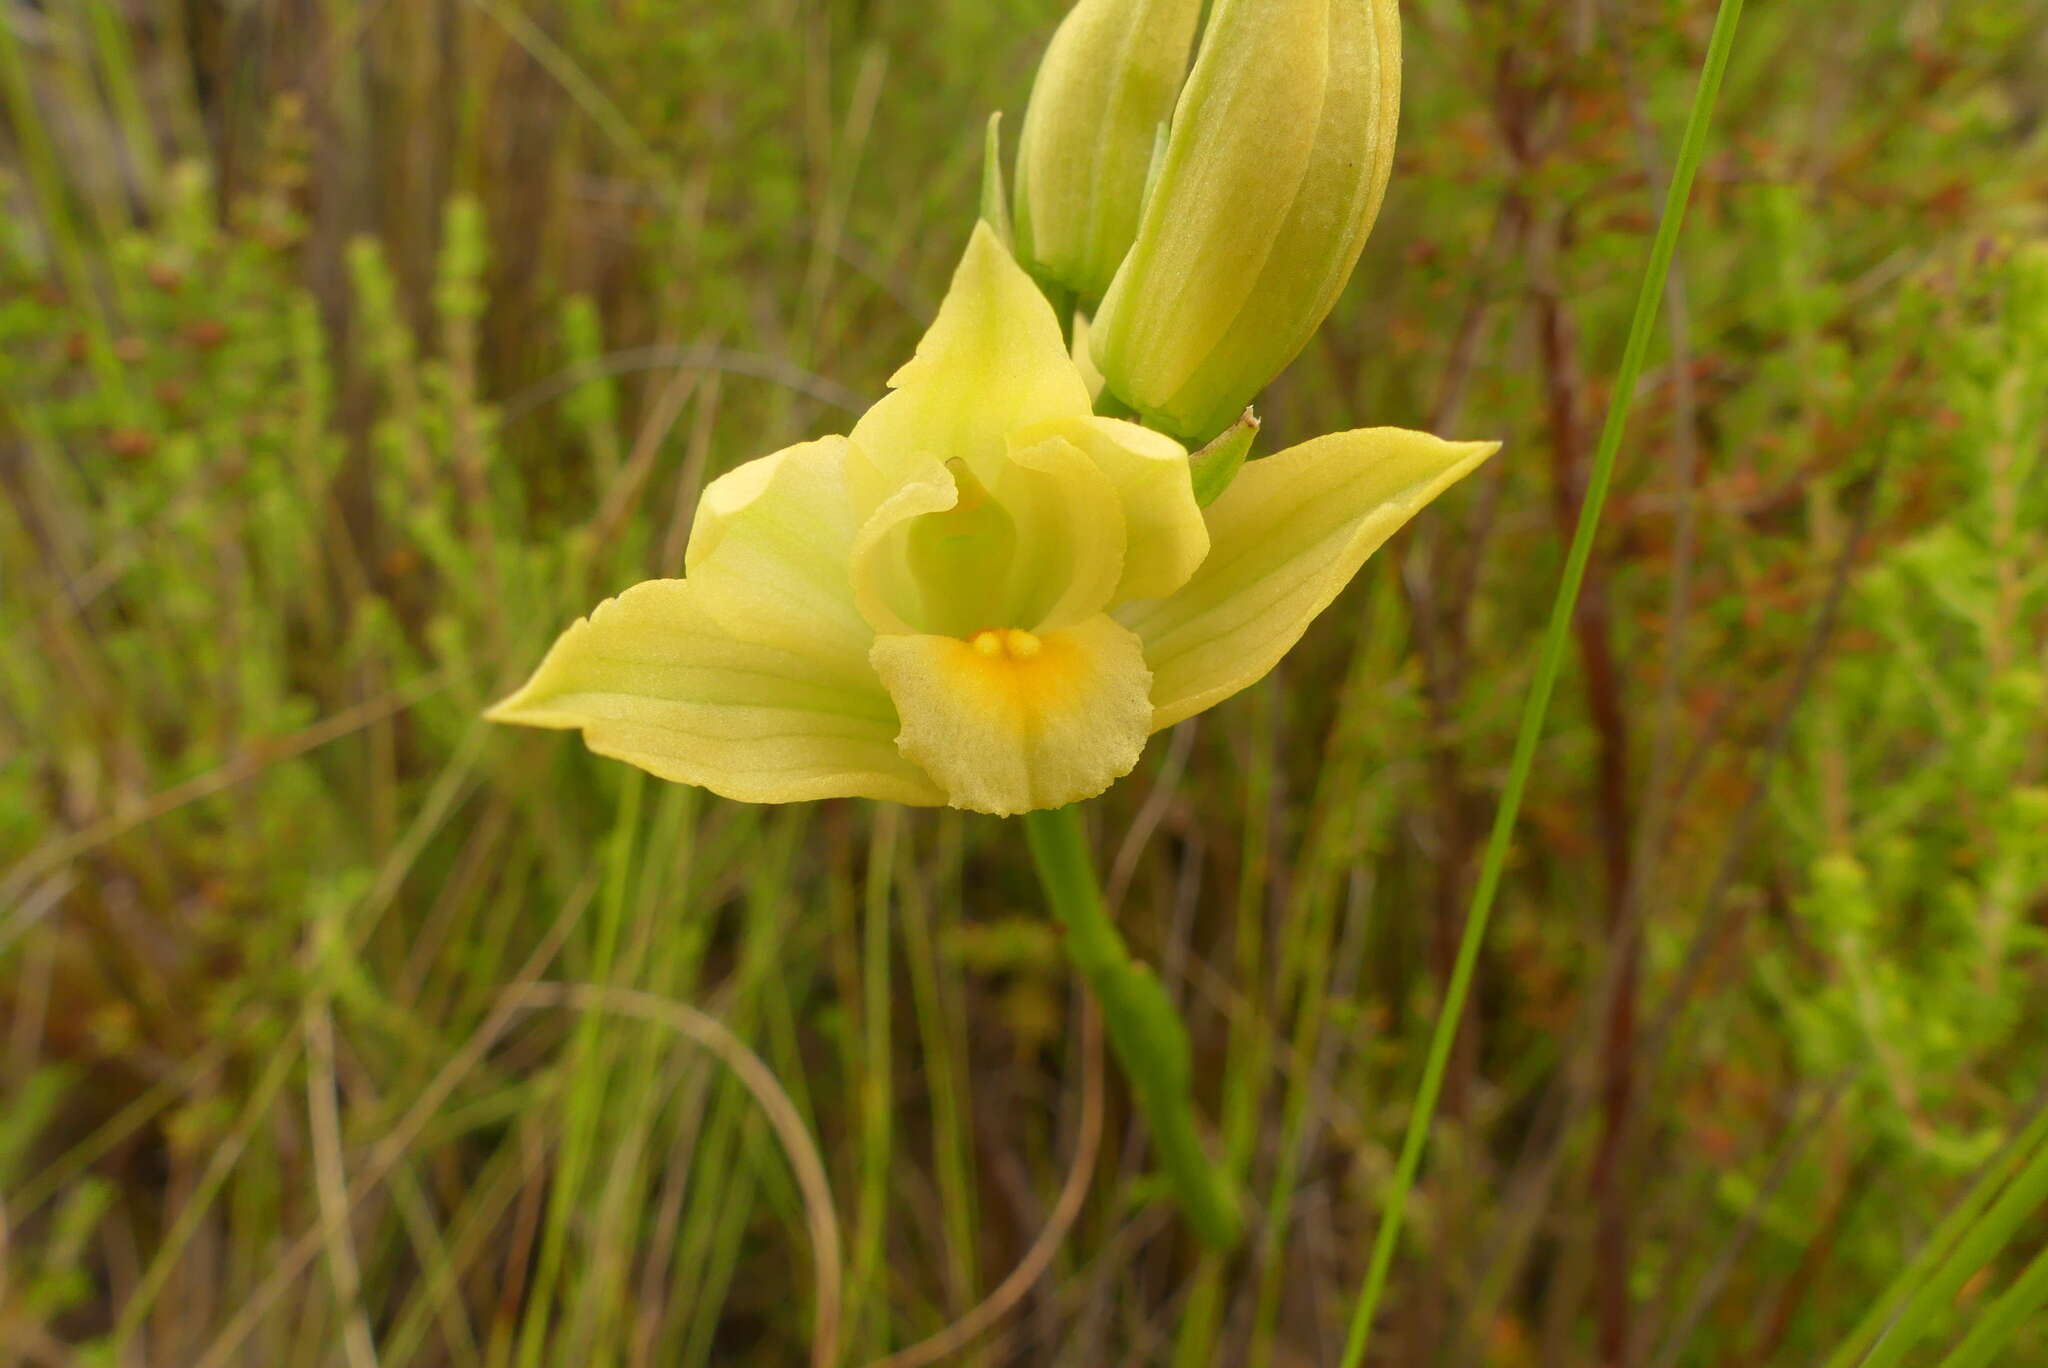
<point>984,595</point>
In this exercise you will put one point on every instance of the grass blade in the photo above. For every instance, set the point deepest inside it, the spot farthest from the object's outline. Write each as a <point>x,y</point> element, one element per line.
<point>1985,1238</point>
<point>1942,1243</point>
<point>1549,663</point>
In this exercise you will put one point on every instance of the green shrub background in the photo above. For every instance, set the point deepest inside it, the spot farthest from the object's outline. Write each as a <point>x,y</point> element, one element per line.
<point>349,349</point>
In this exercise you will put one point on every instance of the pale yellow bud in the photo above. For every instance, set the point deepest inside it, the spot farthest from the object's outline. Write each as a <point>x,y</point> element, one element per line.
<point>1274,171</point>
<point>1103,92</point>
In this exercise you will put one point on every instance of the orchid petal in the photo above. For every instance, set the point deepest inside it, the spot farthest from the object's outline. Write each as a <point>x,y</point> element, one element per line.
<point>886,586</point>
<point>769,549</point>
<point>1164,535</point>
<point>1070,533</point>
<point>1037,545</point>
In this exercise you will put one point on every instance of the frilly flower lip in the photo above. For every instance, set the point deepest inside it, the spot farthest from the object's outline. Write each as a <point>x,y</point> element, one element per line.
<point>984,595</point>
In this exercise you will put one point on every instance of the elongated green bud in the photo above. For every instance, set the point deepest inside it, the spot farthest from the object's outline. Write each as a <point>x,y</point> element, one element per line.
<point>1274,171</point>
<point>1106,86</point>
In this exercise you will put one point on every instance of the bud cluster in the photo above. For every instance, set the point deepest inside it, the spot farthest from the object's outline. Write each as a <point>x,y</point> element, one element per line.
<point>1207,227</point>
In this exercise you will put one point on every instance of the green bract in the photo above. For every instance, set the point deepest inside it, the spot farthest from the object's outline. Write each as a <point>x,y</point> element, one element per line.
<point>1280,152</point>
<point>984,595</point>
<point>1105,88</point>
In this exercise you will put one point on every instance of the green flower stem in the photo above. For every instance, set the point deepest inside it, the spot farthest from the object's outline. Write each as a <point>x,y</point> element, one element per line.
<point>1665,242</point>
<point>1143,1027</point>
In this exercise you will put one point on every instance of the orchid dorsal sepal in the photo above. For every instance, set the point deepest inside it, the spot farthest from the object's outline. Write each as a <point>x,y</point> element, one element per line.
<point>986,595</point>
<point>1217,464</point>
<point>995,200</point>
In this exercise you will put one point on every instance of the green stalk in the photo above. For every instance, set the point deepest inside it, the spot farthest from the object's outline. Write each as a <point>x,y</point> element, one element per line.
<point>1143,1027</point>
<point>1547,668</point>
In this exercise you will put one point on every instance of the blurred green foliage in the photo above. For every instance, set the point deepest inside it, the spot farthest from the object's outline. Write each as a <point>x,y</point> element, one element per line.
<point>349,350</point>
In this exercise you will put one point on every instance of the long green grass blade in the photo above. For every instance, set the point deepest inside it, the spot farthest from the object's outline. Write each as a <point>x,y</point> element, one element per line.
<point>1719,45</point>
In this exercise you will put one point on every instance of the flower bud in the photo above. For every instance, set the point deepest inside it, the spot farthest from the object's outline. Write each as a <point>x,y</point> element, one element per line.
<point>1274,170</point>
<point>1104,90</point>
